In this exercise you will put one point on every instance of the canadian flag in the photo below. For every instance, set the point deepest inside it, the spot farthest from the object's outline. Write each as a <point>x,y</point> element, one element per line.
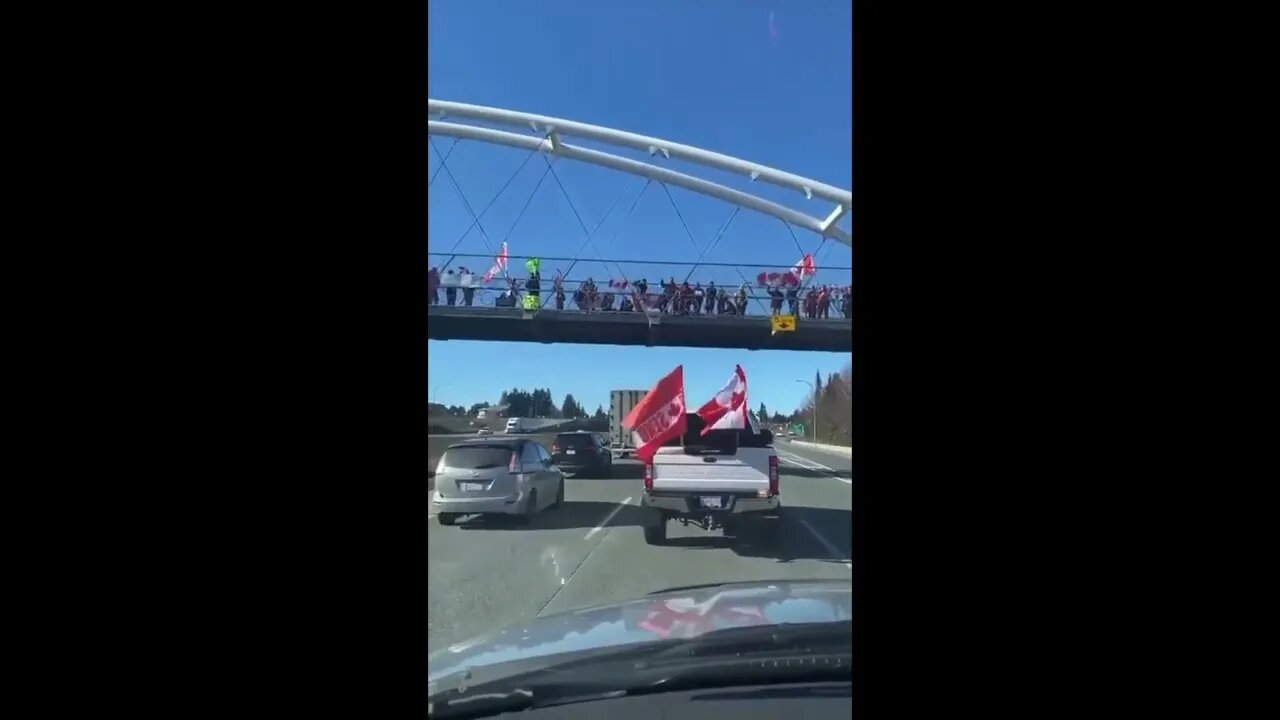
<point>659,416</point>
<point>500,263</point>
<point>805,268</point>
<point>774,279</point>
<point>728,409</point>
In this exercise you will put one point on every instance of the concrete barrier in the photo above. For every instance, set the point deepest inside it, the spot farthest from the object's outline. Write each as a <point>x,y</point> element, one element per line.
<point>833,449</point>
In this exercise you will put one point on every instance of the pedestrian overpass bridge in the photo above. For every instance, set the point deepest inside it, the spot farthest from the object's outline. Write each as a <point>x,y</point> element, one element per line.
<point>545,324</point>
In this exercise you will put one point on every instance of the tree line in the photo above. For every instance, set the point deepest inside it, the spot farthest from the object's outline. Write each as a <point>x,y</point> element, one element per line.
<point>529,403</point>
<point>834,408</point>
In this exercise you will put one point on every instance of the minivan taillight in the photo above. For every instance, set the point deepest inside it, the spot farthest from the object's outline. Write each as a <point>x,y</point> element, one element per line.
<point>514,466</point>
<point>773,475</point>
<point>648,476</point>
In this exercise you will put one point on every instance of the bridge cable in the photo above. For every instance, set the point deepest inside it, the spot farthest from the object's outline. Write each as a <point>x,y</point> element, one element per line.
<point>689,233</point>
<point>484,236</point>
<point>574,260</point>
<point>582,224</point>
<point>715,241</point>
<point>589,233</point>
<point>476,219</point>
<point>435,174</point>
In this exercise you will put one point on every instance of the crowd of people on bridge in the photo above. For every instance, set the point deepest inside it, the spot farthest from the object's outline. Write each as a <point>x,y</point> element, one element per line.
<point>671,297</point>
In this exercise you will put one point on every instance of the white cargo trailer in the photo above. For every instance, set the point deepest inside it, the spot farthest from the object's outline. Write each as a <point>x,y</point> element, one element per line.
<point>620,404</point>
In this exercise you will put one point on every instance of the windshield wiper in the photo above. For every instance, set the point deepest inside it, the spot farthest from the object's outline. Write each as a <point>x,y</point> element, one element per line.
<point>762,638</point>
<point>547,687</point>
<point>764,654</point>
<point>702,586</point>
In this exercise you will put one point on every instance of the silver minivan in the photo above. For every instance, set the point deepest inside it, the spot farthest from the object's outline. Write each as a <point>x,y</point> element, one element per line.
<point>496,476</point>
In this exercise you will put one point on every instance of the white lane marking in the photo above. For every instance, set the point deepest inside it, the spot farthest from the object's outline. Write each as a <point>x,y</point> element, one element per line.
<point>808,464</point>
<point>812,463</point>
<point>601,526</point>
<point>829,547</point>
<point>798,462</point>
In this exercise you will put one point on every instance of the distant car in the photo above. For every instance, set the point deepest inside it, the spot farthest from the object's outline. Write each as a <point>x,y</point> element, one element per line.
<point>514,425</point>
<point>484,431</point>
<point>496,476</point>
<point>579,451</point>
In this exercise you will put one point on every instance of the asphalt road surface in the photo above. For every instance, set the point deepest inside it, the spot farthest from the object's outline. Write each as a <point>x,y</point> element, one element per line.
<point>484,575</point>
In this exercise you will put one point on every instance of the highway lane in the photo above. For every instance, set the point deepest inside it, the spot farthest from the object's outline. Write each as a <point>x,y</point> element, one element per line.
<point>484,575</point>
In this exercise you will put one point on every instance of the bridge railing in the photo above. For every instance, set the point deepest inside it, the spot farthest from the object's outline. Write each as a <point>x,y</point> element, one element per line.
<point>745,287</point>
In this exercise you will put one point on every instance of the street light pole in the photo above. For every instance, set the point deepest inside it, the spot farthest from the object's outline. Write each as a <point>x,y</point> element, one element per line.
<point>815,408</point>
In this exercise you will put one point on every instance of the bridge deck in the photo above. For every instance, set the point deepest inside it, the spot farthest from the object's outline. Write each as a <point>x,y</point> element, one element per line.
<point>604,328</point>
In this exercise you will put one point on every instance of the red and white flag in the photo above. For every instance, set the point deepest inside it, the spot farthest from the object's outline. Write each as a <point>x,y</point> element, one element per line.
<point>805,268</point>
<point>728,409</point>
<point>659,416</point>
<point>500,264</point>
<point>774,279</point>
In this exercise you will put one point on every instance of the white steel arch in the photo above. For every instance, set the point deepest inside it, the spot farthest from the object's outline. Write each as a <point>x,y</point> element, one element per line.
<point>556,127</point>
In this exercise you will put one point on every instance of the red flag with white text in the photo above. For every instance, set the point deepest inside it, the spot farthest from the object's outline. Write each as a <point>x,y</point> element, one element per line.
<point>728,409</point>
<point>659,416</point>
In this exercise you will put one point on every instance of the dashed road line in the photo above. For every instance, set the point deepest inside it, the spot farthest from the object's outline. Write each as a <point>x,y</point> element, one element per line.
<point>605,522</point>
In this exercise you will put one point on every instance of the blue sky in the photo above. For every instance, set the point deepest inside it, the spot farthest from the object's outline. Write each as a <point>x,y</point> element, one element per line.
<point>710,73</point>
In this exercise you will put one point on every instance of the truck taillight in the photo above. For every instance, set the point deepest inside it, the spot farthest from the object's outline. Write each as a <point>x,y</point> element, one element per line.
<point>773,475</point>
<point>514,465</point>
<point>648,476</point>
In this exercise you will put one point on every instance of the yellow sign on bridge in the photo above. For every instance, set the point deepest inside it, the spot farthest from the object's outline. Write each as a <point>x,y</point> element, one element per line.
<point>783,323</point>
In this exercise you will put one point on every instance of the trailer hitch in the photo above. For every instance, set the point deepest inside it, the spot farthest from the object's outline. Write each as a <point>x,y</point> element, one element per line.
<point>707,522</point>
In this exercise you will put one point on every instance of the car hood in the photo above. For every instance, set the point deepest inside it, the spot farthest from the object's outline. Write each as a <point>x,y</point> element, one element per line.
<point>680,613</point>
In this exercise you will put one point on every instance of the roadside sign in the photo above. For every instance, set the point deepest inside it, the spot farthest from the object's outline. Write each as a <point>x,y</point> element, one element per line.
<point>798,429</point>
<point>531,302</point>
<point>783,323</point>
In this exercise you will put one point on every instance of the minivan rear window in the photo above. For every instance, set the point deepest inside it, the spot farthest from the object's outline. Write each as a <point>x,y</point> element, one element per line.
<point>481,457</point>
<point>575,440</point>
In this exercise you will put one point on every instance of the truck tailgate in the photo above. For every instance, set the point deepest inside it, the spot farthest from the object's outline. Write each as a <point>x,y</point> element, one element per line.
<point>746,471</point>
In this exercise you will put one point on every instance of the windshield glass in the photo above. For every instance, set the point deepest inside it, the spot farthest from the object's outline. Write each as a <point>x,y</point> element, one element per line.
<point>639,272</point>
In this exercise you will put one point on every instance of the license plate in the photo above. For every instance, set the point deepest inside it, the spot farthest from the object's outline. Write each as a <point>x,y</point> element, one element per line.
<point>570,452</point>
<point>471,487</point>
<point>711,501</point>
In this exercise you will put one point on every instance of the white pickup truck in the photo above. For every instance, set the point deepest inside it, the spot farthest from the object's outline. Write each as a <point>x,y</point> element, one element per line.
<point>727,479</point>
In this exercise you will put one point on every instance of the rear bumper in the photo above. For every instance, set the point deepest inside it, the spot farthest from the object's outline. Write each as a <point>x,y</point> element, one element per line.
<point>688,503</point>
<point>509,505</point>
<point>577,461</point>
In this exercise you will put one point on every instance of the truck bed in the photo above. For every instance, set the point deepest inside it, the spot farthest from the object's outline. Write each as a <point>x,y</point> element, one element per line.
<point>747,470</point>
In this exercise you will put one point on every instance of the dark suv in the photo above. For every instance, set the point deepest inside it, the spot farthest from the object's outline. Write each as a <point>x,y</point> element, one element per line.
<point>580,451</point>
